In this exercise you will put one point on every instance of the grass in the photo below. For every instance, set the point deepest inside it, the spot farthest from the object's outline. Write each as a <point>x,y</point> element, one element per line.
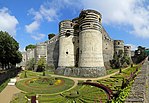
<point>81,94</point>
<point>110,71</point>
<point>3,85</point>
<point>31,74</point>
<point>29,85</point>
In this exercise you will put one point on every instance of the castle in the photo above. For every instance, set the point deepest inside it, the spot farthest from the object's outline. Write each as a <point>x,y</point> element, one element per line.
<point>83,47</point>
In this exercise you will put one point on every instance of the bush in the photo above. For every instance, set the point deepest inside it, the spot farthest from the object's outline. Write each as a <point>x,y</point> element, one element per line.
<point>120,60</point>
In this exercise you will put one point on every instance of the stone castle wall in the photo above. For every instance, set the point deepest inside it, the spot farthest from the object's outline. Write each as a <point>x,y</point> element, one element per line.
<point>41,51</point>
<point>108,48</point>
<point>53,52</point>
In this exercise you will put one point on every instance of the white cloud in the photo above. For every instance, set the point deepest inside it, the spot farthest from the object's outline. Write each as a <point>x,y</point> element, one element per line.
<point>38,36</point>
<point>49,11</point>
<point>49,14</point>
<point>133,47</point>
<point>8,22</point>
<point>32,27</point>
<point>131,13</point>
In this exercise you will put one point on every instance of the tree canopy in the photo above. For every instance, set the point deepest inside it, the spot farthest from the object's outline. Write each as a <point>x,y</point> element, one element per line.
<point>51,36</point>
<point>140,54</point>
<point>30,46</point>
<point>30,64</point>
<point>41,64</point>
<point>120,60</point>
<point>9,47</point>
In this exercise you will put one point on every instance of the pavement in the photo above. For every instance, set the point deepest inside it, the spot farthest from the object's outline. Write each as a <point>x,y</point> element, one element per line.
<point>147,84</point>
<point>7,94</point>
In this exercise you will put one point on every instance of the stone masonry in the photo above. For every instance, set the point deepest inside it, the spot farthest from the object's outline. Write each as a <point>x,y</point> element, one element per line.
<point>139,90</point>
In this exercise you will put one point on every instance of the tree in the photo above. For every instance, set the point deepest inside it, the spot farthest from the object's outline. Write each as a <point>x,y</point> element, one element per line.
<point>41,64</point>
<point>30,64</point>
<point>30,46</point>
<point>120,60</point>
<point>140,54</point>
<point>50,36</point>
<point>17,58</point>
<point>9,53</point>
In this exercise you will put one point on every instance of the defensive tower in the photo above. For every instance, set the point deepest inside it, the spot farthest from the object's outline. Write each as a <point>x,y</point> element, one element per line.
<point>66,46</point>
<point>90,39</point>
<point>127,51</point>
<point>118,46</point>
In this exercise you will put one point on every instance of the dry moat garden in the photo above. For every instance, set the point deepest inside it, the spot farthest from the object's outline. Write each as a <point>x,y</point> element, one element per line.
<point>55,89</point>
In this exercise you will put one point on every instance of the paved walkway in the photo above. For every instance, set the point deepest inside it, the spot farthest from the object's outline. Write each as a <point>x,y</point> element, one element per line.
<point>7,94</point>
<point>139,91</point>
<point>147,84</point>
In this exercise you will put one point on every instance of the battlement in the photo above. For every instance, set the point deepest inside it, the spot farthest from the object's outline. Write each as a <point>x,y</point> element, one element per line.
<point>90,19</point>
<point>66,28</point>
<point>127,47</point>
<point>90,11</point>
<point>118,42</point>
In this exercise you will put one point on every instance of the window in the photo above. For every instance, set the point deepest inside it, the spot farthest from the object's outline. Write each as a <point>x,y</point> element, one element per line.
<point>99,19</point>
<point>71,24</point>
<point>67,33</point>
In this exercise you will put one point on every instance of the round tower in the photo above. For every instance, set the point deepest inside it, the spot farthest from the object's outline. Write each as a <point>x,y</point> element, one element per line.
<point>90,40</point>
<point>66,46</point>
<point>118,46</point>
<point>127,51</point>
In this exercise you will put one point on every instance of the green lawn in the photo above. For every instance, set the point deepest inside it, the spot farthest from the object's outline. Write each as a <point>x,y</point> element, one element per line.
<point>34,85</point>
<point>81,94</point>
<point>3,85</point>
<point>110,71</point>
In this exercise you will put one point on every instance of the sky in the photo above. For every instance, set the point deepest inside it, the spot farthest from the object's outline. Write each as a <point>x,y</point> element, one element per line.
<point>30,21</point>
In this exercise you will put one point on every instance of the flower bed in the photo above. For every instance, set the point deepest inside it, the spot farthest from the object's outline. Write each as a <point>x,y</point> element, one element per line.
<point>44,85</point>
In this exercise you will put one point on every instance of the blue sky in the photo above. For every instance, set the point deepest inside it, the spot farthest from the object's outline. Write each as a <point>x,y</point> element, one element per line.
<point>30,21</point>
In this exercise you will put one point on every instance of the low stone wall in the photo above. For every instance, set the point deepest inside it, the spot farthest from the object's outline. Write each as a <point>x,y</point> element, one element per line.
<point>8,74</point>
<point>81,72</point>
<point>138,89</point>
